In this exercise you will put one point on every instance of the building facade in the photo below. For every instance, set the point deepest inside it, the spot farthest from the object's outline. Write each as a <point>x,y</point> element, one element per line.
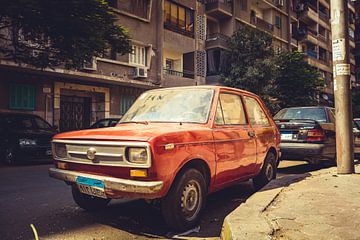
<point>175,43</point>
<point>357,42</point>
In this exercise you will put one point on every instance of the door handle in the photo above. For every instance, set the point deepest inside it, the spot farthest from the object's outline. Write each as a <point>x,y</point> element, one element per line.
<point>251,134</point>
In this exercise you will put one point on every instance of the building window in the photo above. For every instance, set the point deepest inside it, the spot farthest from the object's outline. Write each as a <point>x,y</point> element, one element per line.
<point>22,97</point>
<point>278,21</point>
<point>178,18</point>
<point>169,63</point>
<point>125,103</point>
<point>138,55</point>
<point>243,5</point>
<point>138,8</point>
<point>216,61</point>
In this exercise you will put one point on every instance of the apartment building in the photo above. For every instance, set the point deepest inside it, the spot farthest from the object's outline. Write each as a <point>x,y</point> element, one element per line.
<point>167,51</point>
<point>357,42</point>
<point>175,43</point>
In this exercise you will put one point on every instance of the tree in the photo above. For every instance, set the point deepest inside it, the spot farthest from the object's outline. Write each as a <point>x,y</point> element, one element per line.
<point>282,80</point>
<point>297,82</point>
<point>49,33</point>
<point>249,62</point>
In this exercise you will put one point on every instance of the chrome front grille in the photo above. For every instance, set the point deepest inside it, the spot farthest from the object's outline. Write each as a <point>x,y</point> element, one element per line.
<point>106,152</point>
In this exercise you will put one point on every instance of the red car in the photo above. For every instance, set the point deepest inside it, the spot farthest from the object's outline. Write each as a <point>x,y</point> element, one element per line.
<point>175,145</point>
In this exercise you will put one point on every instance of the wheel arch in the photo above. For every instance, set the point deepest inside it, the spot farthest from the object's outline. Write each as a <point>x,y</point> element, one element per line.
<point>198,164</point>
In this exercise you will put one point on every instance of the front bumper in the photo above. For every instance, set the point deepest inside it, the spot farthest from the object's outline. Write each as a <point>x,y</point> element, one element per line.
<point>114,187</point>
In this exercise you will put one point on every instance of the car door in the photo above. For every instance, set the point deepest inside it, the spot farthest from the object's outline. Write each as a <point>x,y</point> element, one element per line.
<point>264,132</point>
<point>235,147</point>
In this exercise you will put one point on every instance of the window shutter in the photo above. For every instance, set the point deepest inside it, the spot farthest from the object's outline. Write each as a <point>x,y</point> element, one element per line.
<point>22,97</point>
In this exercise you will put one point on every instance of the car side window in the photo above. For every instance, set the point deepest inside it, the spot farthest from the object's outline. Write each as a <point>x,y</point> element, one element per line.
<point>256,114</point>
<point>230,110</point>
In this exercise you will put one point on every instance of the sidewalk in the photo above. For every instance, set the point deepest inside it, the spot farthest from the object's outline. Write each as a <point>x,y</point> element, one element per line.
<point>323,205</point>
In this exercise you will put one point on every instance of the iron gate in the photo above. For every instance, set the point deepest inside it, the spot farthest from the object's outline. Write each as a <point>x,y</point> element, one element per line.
<point>74,113</point>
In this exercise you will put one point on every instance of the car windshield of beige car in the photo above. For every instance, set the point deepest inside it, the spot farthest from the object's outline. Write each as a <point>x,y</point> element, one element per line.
<point>171,105</point>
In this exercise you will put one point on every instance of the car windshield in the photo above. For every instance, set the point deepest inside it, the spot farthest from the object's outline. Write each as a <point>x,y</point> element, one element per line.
<point>171,105</point>
<point>20,122</point>
<point>317,114</point>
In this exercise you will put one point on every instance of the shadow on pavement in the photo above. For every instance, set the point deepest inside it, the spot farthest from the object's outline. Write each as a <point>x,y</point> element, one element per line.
<point>139,218</point>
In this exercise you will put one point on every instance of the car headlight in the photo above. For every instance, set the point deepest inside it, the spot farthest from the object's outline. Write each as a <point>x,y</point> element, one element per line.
<point>27,142</point>
<point>136,155</point>
<point>59,150</point>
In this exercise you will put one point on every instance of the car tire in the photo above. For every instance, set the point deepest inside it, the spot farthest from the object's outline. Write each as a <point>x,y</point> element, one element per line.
<point>87,202</point>
<point>182,206</point>
<point>267,173</point>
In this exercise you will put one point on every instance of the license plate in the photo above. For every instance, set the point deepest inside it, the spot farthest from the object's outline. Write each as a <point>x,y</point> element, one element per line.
<point>91,186</point>
<point>48,153</point>
<point>286,136</point>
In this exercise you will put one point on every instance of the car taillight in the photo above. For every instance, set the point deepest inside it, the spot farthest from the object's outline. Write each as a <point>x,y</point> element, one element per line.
<point>315,135</point>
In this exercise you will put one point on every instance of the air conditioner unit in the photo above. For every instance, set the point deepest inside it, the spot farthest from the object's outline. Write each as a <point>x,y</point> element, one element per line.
<point>140,72</point>
<point>90,65</point>
<point>279,3</point>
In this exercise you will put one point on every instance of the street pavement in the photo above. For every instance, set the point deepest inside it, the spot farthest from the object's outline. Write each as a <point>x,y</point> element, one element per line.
<point>314,205</point>
<point>29,196</point>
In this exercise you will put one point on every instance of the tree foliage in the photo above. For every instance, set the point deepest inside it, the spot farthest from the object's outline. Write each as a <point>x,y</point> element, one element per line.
<point>249,60</point>
<point>281,80</point>
<point>48,33</point>
<point>297,81</point>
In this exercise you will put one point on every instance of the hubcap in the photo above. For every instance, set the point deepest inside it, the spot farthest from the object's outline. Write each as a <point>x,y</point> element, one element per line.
<point>269,172</point>
<point>190,200</point>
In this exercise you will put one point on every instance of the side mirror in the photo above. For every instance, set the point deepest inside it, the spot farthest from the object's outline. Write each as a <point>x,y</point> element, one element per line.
<point>55,127</point>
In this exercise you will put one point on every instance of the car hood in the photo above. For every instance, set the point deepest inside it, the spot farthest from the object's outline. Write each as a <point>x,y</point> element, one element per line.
<point>133,132</point>
<point>33,133</point>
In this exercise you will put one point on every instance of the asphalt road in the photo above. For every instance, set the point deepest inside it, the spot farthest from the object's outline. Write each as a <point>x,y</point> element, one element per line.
<point>29,196</point>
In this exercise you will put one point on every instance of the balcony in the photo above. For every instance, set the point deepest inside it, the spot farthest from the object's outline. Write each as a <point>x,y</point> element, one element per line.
<point>214,40</point>
<point>307,12</point>
<point>262,24</point>
<point>324,16</point>
<point>311,54</point>
<point>218,8</point>
<point>183,74</point>
<point>306,34</point>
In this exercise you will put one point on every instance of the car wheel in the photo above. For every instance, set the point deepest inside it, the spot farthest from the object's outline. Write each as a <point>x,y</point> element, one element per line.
<point>9,156</point>
<point>87,202</point>
<point>182,205</point>
<point>267,173</point>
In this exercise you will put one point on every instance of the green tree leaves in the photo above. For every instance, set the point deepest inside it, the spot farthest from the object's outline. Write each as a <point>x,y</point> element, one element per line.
<point>281,80</point>
<point>48,33</point>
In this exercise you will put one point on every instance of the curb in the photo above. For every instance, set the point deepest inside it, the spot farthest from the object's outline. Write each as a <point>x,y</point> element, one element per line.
<point>248,222</point>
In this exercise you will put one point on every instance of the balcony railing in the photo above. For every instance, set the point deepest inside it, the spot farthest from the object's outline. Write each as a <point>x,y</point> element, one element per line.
<point>219,8</point>
<point>262,24</point>
<point>217,39</point>
<point>184,73</point>
<point>312,54</point>
<point>183,31</point>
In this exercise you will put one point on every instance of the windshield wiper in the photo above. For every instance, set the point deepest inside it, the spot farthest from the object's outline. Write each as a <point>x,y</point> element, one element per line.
<point>137,122</point>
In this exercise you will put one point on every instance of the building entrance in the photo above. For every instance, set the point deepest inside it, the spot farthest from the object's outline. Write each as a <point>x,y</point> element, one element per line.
<point>75,112</point>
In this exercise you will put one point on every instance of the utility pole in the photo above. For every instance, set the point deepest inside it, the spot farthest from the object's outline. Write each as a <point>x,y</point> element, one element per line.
<point>342,86</point>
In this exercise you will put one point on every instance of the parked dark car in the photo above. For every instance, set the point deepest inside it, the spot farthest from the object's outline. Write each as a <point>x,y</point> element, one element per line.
<point>24,137</point>
<point>106,122</point>
<point>356,129</point>
<point>308,133</point>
